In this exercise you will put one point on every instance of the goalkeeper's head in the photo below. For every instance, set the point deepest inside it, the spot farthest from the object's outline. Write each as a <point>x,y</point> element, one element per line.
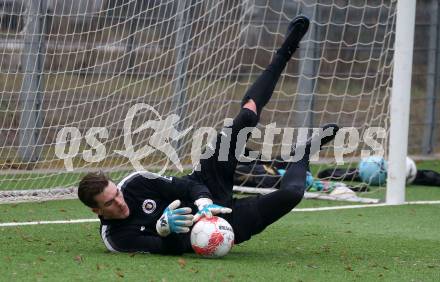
<point>99,193</point>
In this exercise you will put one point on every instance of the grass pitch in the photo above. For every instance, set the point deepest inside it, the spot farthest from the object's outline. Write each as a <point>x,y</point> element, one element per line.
<point>393,243</point>
<point>399,243</point>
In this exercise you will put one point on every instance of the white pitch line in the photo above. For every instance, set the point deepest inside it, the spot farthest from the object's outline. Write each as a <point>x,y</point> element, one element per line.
<point>84,220</point>
<point>12,224</point>
<point>365,206</point>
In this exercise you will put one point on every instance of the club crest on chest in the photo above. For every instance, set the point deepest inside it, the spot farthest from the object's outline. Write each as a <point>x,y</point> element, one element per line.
<point>149,206</point>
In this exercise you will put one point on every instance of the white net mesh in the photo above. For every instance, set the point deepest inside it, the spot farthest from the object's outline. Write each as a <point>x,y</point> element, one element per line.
<point>84,64</point>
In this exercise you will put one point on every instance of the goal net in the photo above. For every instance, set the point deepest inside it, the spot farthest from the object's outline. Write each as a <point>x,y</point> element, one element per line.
<point>76,74</point>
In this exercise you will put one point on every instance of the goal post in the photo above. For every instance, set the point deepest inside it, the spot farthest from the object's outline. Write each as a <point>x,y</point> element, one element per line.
<point>400,101</point>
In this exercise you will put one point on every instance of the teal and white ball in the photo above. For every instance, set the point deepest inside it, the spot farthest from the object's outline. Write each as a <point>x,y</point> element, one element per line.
<point>373,170</point>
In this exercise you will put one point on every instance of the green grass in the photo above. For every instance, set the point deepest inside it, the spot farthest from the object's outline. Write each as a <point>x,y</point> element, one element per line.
<point>398,243</point>
<point>73,209</point>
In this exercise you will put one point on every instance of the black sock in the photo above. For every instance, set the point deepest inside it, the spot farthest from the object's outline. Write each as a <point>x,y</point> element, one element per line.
<point>262,89</point>
<point>274,205</point>
<point>295,31</point>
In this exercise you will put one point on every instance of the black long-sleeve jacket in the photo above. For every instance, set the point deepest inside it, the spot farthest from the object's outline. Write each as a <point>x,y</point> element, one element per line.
<point>147,197</point>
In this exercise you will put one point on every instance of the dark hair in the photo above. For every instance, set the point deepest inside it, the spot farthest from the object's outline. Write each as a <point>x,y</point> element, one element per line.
<point>91,185</point>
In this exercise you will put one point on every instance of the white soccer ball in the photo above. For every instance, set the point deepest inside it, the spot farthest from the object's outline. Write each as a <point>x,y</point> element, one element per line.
<point>411,170</point>
<point>212,237</point>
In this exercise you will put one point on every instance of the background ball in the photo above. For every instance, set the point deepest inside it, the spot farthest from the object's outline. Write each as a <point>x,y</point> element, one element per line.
<point>212,237</point>
<point>373,170</point>
<point>411,170</point>
<point>309,179</point>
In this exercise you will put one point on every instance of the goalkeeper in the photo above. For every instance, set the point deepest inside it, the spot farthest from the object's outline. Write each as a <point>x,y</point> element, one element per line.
<point>142,214</point>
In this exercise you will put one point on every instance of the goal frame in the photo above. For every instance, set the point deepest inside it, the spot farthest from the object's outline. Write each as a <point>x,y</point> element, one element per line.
<point>399,106</point>
<point>400,101</point>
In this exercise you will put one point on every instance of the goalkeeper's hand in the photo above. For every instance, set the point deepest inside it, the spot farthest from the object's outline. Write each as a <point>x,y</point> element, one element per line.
<point>174,220</point>
<point>208,208</point>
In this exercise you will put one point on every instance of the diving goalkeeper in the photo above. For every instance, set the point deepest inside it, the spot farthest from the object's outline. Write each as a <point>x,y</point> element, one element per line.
<point>142,214</point>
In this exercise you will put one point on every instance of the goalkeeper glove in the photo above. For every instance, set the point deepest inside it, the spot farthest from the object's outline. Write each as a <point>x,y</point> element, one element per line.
<point>174,220</point>
<point>208,208</point>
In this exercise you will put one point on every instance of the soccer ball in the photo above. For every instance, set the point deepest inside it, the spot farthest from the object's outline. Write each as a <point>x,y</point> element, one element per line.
<point>411,170</point>
<point>309,179</point>
<point>373,170</point>
<point>212,237</point>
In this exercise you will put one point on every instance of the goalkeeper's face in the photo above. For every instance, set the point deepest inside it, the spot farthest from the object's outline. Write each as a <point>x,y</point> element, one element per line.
<point>111,203</point>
